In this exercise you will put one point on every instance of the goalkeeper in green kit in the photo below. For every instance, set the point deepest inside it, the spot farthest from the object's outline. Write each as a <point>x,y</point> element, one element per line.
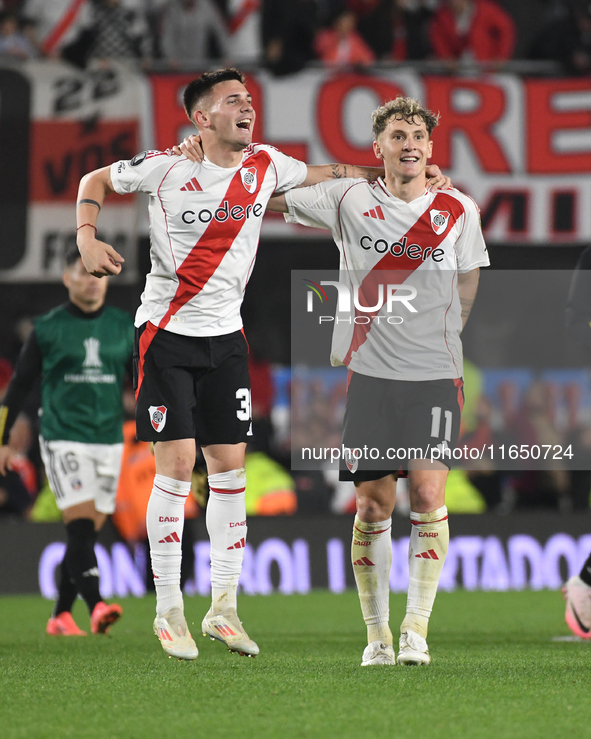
<point>81,350</point>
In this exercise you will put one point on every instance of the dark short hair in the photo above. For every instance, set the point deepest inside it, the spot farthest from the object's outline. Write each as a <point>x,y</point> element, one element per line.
<point>196,90</point>
<point>72,255</point>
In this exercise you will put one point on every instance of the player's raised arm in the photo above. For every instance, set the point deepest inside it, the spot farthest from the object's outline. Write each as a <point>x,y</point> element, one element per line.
<point>467,288</point>
<point>99,259</point>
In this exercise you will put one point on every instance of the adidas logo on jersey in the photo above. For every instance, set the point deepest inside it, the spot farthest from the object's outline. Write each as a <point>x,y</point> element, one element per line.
<point>192,185</point>
<point>375,213</point>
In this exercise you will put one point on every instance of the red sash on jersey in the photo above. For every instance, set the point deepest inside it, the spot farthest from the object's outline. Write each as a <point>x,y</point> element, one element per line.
<point>207,254</point>
<point>421,232</point>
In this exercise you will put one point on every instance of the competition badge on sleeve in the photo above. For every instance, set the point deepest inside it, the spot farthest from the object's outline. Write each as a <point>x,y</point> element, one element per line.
<point>157,417</point>
<point>439,220</point>
<point>249,179</point>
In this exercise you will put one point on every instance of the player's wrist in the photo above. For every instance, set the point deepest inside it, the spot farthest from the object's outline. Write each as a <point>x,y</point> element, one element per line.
<point>85,238</point>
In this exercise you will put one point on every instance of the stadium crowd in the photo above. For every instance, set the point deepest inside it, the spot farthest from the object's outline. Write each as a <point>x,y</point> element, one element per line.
<point>286,36</point>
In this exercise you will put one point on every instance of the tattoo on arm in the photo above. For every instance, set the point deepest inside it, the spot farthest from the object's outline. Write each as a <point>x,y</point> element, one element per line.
<point>343,170</point>
<point>466,308</point>
<point>339,171</point>
<point>86,201</point>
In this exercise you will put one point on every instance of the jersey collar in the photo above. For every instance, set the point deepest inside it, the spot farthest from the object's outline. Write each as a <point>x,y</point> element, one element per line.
<point>384,192</point>
<point>75,311</point>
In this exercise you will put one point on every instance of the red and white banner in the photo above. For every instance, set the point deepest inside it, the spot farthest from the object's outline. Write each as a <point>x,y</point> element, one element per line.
<point>56,124</point>
<point>520,147</point>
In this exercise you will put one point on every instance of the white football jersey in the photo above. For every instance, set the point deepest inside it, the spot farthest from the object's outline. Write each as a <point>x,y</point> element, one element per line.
<point>399,263</point>
<point>205,223</point>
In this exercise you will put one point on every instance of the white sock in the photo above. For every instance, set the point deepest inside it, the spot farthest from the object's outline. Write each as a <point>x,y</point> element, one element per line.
<point>429,540</point>
<point>165,518</point>
<point>371,555</point>
<point>226,525</point>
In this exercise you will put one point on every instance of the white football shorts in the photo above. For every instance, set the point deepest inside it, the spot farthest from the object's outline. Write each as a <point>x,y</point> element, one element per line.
<point>81,472</point>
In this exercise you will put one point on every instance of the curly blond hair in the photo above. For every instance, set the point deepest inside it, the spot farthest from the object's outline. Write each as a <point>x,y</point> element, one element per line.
<point>407,109</point>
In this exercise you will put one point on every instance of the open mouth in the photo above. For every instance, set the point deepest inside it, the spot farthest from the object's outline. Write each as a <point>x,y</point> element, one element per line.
<point>409,159</point>
<point>244,124</point>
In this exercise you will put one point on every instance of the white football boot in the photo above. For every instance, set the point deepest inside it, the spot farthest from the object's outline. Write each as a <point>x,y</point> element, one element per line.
<point>227,628</point>
<point>378,653</point>
<point>412,649</point>
<point>175,637</point>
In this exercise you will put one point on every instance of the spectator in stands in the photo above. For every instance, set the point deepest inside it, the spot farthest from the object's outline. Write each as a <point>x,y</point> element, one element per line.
<point>565,35</point>
<point>120,30</point>
<point>58,23</point>
<point>373,23</point>
<point>289,29</point>
<point>14,44</point>
<point>244,25</point>
<point>479,30</point>
<point>341,45</point>
<point>187,29</point>
<point>409,29</point>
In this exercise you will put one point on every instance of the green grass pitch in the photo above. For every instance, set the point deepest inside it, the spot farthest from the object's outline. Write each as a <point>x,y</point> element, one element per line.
<point>497,672</point>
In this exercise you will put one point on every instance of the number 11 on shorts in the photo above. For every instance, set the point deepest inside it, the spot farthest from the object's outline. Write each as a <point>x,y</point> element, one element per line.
<point>436,423</point>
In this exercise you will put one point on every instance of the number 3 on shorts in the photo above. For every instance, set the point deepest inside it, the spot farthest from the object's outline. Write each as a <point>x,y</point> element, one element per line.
<point>244,413</point>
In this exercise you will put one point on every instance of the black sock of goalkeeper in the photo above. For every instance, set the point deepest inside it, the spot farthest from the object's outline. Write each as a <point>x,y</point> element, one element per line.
<point>81,560</point>
<point>67,591</point>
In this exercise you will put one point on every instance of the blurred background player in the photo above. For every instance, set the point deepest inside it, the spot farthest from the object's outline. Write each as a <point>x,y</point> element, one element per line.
<point>81,350</point>
<point>405,384</point>
<point>577,589</point>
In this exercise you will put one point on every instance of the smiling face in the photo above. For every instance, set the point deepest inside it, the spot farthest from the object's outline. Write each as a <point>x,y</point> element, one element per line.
<point>404,147</point>
<point>226,116</point>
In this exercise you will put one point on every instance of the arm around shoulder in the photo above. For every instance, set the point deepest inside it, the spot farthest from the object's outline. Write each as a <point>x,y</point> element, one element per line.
<point>324,172</point>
